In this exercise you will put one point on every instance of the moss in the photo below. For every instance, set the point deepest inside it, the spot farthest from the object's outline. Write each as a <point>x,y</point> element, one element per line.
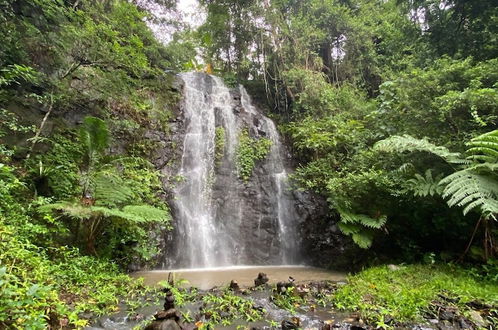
<point>250,150</point>
<point>219,145</point>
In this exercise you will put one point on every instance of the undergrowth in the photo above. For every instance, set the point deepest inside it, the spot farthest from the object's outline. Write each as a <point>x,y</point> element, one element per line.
<point>53,287</point>
<point>406,294</point>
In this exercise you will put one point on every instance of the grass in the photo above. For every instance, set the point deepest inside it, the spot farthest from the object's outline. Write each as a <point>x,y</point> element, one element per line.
<point>406,294</point>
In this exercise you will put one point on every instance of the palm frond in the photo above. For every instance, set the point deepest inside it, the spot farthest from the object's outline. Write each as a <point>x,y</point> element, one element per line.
<point>94,134</point>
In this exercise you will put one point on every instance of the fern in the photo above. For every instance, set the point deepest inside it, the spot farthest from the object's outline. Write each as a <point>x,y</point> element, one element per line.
<point>110,190</point>
<point>426,185</point>
<point>475,187</point>
<point>363,239</point>
<point>133,213</point>
<point>359,226</point>
<point>147,212</point>
<point>470,191</point>
<point>72,209</point>
<point>484,148</point>
<point>364,220</point>
<point>407,143</point>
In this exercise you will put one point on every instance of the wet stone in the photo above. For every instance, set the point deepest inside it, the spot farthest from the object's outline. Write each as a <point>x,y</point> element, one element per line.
<point>261,279</point>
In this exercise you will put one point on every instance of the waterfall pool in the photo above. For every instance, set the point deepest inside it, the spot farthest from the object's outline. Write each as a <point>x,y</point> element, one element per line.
<point>206,278</point>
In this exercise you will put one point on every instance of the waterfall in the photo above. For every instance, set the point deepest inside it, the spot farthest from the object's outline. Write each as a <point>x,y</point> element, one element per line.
<point>219,219</point>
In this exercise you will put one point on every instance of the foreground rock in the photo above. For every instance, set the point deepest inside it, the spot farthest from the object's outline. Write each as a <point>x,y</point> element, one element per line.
<point>167,319</point>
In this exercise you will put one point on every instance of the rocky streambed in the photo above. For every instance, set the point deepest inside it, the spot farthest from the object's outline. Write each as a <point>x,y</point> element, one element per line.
<point>263,303</point>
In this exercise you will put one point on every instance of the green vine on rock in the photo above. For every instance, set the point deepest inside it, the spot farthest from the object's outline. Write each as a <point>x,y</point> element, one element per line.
<point>250,150</point>
<point>219,145</point>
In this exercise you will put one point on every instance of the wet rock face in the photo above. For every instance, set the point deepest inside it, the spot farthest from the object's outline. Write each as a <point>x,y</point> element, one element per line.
<point>323,244</point>
<point>261,221</point>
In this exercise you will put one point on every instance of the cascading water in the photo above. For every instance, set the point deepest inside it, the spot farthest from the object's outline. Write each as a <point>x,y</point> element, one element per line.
<point>219,219</point>
<point>285,213</point>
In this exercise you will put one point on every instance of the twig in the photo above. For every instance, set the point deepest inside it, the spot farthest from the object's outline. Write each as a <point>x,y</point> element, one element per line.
<point>471,240</point>
<point>42,124</point>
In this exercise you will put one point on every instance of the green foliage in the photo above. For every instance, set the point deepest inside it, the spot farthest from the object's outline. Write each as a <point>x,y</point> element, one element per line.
<point>359,227</point>
<point>17,74</point>
<point>484,148</point>
<point>80,59</point>
<point>249,151</point>
<point>182,295</point>
<point>426,185</point>
<point>94,137</point>
<point>219,144</point>
<point>226,307</point>
<point>407,143</point>
<point>445,98</point>
<point>406,294</point>
<point>288,300</point>
<point>107,198</point>
<point>61,166</point>
<point>474,186</point>
<point>470,191</point>
<point>42,288</point>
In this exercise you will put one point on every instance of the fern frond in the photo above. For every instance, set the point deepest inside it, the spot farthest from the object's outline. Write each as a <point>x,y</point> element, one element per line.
<point>72,209</point>
<point>110,190</point>
<point>484,167</point>
<point>361,219</point>
<point>94,134</point>
<point>406,143</point>
<point>470,191</point>
<point>484,148</point>
<point>349,228</point>
<point>363,239</point>
<point>133,213</point>
<point>406,168</point>
<point>147,212</point>
<point>425,185</point>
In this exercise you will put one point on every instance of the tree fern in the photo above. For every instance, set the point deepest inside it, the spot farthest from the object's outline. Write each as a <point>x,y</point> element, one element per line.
<point>470,191</point>
<point>106,196</point>
<point>407,143</point>
<point>474,187</point>
<point>109,189</point>
<point>484,148</point>
<point>133,213</point>
<point>71,208</point>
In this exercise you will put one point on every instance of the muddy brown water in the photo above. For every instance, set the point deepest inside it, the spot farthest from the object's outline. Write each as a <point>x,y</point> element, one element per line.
<point>206,278</point>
